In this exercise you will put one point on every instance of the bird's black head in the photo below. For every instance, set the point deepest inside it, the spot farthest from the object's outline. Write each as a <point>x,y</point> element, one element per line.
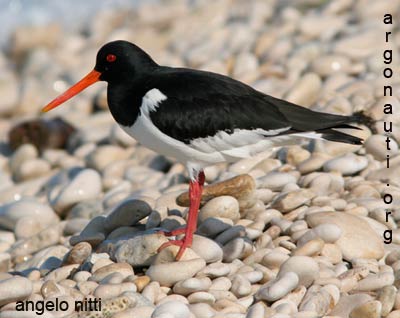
<point>121,60</point>
<point>116,62</point>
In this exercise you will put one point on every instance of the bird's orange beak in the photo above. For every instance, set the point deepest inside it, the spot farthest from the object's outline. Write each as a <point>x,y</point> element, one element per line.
<point>89,79</point>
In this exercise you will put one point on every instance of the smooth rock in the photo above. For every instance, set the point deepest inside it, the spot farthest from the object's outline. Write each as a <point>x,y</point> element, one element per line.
<point>238,187</point>
<point>207,249</point>
<point>387,297</point>
<point>240,286</point>
<point>93,233</point>
<point>347,164</point>
<point>170,273</point>
<point>48,237</point>
<point>305,92</point>
<point>8,91</point>
<point>142,311</point>
<point>348,302</point>
<point>201,297</point>
<point>275,180</point>
<point>123,268</point>
<point>79,253</point>
<point>329,233</point>
<point>305,267</point>
<point>140,250</point>
<point>24,153</point>
<point>109,291</point>
<point>371,309</point>
<point>279,287</point>
<point>82,184</point>
<point>329,64</point>
<point>377,145</point>
<point>358,239</point>
<point>104,155</point>
<point>12,212</point>
<point>223,206</point>
<point>14,289</point>
<point>311,248</point>
<point>172,309</point>
<point>127,213</point>
<point>287,202</point>
<point>214,226</point>
<point>191,285</point>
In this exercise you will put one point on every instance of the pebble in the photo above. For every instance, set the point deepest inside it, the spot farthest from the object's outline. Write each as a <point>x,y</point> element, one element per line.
<point>387,297</point>
<point>305,267</point>
<point>201,297</point>
<point>48,237</point>
<point>207,249</point>
<point>79,253</point>
<point>93,233</point>
<point>371,309</point>
<point>348,302</point>
<point>14,289</point>
<point>329,233</point>
<point>287,202</point>
<point>315,162</point>
<point>238,187</point>
<point>311,248</point>
<point>223,207</point>
<point>12,212</point>
<point>24,153</point>
<point>171,309</point>
<point>305,92</point>
<point>127,213</point>
<point>376,145</point>
<point>191,285</point>
<point>9,91</point>
<point>82,184</point>
<point>347,164</point>
<point>278,287</point>
<point>109,291</point>
<point>358,240</point>
<point>317,301</point>
<point>123,268</point>
<point>238,248</point>
<point>104,155</point>
<point>375,281</point>
<point>140,250</point>
<point>330,64</point>
<point>142,312</point>
<point>275,180</point>
<point>211,227</point>
<point>170,273</point>
<point>240,286</point>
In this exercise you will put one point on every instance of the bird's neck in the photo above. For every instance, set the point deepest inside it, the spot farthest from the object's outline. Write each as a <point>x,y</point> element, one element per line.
<point>124,101</point>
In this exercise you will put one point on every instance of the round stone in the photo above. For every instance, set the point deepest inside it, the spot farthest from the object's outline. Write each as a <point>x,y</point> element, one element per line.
<point>223,206</point>
<point>305,267</point>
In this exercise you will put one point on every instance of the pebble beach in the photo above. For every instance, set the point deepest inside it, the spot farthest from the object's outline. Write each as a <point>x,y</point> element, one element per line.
<point>295,232</point>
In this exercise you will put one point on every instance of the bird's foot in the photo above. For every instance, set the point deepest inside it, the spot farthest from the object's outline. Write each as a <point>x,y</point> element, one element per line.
<point>183,243</point>
<point>175,232</point>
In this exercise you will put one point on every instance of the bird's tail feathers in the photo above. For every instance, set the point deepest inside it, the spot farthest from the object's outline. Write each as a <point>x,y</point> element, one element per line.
<point>338,136</point>
<point>361,118</point>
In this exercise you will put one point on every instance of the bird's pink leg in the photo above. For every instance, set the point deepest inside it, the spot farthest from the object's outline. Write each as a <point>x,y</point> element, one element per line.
<point>195,190</point>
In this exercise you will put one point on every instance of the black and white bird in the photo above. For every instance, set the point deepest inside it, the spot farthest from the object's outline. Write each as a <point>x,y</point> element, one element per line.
<point>200,118</point>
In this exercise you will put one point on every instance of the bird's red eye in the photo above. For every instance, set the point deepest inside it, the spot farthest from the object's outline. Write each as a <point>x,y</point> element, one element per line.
<point>111,58</point>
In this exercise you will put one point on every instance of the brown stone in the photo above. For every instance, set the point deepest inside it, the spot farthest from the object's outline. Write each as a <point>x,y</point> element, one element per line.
<point>79,253</point>
<point>239,187</point>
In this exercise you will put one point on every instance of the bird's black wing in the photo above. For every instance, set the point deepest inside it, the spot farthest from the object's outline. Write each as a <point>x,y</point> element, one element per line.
<point>200,104</point>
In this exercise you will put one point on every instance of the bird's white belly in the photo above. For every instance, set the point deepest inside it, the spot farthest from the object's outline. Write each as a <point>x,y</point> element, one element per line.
<point>145,132</point>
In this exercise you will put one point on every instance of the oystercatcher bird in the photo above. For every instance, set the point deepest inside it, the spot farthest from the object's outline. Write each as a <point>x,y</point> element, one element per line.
<point>200,118</point>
